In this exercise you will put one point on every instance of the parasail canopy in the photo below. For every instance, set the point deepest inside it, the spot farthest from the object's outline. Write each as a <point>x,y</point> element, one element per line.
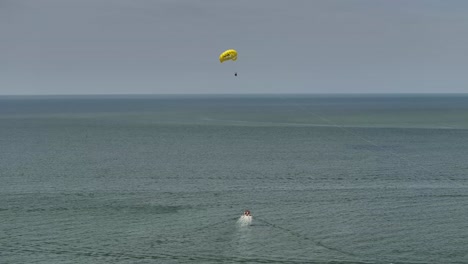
<point>229,54</point>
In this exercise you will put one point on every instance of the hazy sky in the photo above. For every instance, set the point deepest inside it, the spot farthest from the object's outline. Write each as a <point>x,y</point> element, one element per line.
<point>285,46</point>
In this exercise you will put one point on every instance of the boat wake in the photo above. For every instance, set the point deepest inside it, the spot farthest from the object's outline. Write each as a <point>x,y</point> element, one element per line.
<point>244,220</point>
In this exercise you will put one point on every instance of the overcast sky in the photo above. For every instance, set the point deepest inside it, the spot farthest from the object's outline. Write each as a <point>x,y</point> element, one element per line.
<point>284,46</point>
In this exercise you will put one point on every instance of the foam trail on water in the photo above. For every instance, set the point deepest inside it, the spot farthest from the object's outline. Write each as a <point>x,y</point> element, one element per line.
<point>245,220</point>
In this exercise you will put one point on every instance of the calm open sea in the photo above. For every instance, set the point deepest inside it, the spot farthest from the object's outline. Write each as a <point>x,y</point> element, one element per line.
<point>164,179</point>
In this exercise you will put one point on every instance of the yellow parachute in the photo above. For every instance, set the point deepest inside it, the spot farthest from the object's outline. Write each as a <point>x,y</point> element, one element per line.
<point>229,54</point>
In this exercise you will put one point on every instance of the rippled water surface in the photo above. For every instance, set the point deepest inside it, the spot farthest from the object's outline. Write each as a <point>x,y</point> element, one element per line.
<point>164,179</point>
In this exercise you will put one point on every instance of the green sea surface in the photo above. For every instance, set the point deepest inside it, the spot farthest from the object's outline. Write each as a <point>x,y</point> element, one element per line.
<point>164,179</point>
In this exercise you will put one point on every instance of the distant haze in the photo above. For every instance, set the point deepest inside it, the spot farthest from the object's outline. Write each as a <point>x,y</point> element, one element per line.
<point>172,46</point>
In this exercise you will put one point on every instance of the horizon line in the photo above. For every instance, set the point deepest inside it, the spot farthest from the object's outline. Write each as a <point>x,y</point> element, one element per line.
<point>231,94</point>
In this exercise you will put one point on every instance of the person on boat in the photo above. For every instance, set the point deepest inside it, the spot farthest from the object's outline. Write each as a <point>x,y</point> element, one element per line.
<point>247,213</point>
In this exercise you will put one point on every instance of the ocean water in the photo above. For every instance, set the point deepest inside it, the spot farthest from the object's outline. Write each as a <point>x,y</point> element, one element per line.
<point>165,179</point>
